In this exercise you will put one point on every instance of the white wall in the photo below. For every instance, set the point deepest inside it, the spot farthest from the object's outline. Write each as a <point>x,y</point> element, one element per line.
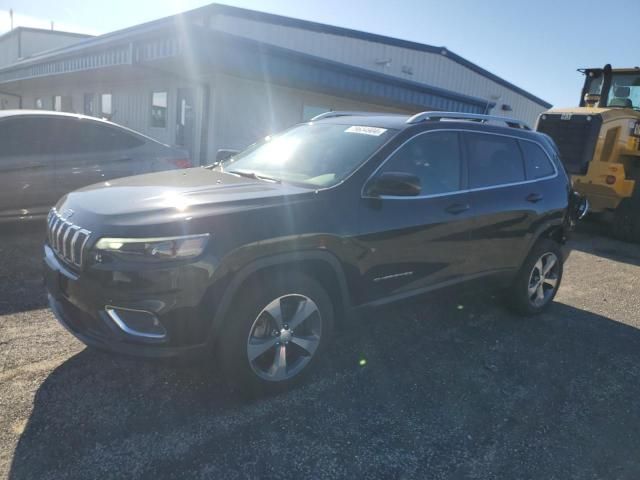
<point>37,41</point>
<point>244,111</point>
<point>8,48</point>
<point>21,43</point>
<point>433,69</point>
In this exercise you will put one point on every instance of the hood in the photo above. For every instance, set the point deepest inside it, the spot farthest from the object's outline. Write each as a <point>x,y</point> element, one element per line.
<point>157,197</point>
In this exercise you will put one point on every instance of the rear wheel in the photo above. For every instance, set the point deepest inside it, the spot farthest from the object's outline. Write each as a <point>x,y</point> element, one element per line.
<point>276,332</point>
<point>537,283</point>
<point>626,220</point>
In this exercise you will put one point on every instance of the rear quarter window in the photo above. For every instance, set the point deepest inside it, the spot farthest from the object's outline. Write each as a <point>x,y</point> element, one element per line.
<point>537,162</point>
<point>95,137</point>
<point>493,160</point>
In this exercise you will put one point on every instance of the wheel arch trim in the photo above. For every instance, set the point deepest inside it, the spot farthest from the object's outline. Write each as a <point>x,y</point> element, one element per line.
<point>281,259</point>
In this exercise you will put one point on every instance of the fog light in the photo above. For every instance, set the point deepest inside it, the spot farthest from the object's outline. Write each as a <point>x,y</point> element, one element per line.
<point>137,323</point>
<point>611,179</point>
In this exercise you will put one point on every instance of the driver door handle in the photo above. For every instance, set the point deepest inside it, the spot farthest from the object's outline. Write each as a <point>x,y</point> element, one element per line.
<point>534,197</point>
<point>457,208</point>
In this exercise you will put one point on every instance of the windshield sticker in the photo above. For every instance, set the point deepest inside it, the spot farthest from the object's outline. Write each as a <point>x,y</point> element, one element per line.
<point>375,131</point>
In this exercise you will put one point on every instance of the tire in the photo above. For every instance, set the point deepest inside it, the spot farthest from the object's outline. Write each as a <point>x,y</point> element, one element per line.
<point>626,220</point>
<point>524,295</point>
<point>295,342</point>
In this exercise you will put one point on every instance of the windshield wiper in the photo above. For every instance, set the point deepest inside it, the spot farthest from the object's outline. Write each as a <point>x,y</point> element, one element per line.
<point>254,175</point>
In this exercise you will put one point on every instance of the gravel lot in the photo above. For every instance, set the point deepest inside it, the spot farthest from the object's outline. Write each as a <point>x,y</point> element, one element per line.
<point>452,388</point>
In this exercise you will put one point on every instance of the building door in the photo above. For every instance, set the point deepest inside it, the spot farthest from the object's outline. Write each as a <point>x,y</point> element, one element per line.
<point>185,121</point>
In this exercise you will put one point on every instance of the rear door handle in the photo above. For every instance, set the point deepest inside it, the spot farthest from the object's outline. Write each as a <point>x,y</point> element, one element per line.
<point>458,208</point>
<point>534,197</point>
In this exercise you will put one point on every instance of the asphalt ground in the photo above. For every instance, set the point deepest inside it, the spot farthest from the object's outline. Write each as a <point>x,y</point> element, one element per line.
<point>451,387</point>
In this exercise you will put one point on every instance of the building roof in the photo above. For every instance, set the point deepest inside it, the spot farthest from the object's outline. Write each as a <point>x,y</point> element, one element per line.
<point>18,30</point>
<point>215,51</point>
<point>178,20</point>
<point>373,37</point>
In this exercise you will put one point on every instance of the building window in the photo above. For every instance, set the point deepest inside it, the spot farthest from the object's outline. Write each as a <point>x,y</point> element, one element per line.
<point>57,103</point>
<point>159,109</point>
<point>106,105</point>
<point>39,104</point>
<point>90,104</point>
<point>310,111</point>
<point>62,103</point>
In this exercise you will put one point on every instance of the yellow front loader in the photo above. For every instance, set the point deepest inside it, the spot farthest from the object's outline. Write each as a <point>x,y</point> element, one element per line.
<point>599,144</point>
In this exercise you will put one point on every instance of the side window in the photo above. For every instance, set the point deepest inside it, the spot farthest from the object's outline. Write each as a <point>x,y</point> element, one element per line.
<point>434,158</point>
<point>58,135</point>
<point>537,163</point>
<point>493,160</point>
<point>94,137</point>
<point>123,140</point>
<point>17,139</point>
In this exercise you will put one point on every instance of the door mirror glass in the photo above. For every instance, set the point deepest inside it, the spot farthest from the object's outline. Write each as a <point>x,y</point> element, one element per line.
<point>225,153</point>
<point>396,184</point>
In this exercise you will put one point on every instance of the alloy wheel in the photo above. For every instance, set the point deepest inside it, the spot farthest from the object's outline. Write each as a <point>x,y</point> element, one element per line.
<point>284,337</point>
<point>543,280</point>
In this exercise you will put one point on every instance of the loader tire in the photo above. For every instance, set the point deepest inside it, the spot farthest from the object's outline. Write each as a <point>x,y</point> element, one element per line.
<point>626,220</point>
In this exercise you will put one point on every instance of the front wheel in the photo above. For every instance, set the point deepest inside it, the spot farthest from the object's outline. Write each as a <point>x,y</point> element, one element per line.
<point>537,282</point>
<point>278,327</point>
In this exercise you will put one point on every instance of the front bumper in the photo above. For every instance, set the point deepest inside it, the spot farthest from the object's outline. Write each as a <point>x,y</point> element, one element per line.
<point>81,300</point>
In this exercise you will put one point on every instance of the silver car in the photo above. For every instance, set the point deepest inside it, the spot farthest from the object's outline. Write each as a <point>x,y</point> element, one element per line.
<point>44,155</point>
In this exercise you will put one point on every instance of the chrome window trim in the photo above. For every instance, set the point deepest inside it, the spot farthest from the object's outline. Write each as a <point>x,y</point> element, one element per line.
<point>458,192</point>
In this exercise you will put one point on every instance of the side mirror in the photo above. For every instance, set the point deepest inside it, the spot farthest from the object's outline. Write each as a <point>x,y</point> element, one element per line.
<point>583,208</point>
<point>396,184</point>
<point>578,209</point>
<point>225,153</point>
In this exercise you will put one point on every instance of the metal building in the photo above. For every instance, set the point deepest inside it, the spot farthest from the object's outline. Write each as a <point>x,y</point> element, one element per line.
<point>222,77</point>
<point>23,42</point>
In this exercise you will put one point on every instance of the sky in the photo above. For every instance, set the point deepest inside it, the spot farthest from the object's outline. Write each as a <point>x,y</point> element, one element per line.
<point>536,45</point>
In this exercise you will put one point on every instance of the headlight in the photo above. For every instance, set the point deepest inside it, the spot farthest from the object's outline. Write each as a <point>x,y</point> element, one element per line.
<point>161,248</point>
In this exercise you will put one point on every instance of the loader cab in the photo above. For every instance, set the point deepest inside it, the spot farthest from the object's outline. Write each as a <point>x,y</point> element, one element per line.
<point>609,88</point>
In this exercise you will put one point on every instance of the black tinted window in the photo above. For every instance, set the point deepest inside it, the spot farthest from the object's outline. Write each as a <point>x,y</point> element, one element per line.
<point>17,137</point>
<point>536,161</point>
<point>51,136</point>
<point>493,160</point>
<point>434,158</point>
<point>93,137</point>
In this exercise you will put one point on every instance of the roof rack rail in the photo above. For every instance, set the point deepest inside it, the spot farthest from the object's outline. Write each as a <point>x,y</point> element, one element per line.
<point>338,113</point>
<point>476,117</point>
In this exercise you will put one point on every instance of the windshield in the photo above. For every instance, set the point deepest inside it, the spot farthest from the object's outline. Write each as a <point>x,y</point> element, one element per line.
<point>319,155</point>
<point>624,91</point>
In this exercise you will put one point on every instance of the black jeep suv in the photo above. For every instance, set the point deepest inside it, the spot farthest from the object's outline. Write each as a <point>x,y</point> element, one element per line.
<point>255,258</point>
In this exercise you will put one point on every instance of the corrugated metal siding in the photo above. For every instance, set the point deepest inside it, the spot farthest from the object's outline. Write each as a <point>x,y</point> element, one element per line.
<point>34,41</point>
<point>432,69</point>
<point>117,55</point>
<point>244,111</point>
<point>131,101</point>
<point>8,49</point>
<point>254,60</point>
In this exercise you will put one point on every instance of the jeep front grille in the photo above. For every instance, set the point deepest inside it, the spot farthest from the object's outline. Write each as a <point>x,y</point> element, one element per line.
<point>66,239</point>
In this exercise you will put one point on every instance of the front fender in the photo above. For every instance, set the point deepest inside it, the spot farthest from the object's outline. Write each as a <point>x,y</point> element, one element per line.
<point>285,260</point>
